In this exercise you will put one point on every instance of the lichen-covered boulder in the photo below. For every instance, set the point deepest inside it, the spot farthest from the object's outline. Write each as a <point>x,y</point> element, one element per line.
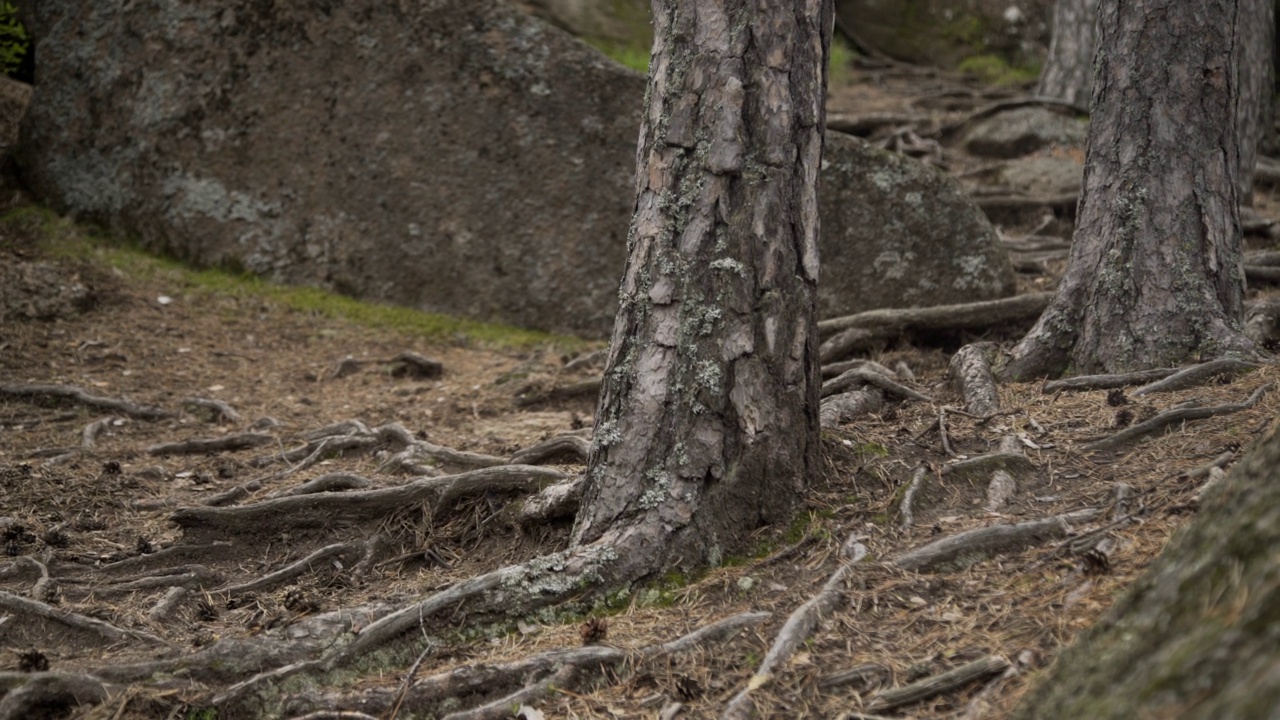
<point>898,233</point>
<point>1024,130</point>
<point>454,155</point>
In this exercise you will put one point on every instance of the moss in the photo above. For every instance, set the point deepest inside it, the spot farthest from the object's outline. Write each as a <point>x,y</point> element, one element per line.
<point>62,238</point>
<point>996,70</point>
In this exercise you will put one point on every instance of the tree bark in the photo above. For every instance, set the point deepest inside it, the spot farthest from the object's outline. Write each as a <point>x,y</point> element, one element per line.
<point>1197,635</point>
<point>1068,69</point>
<point>707,423</point>
<point>1256,116</point>
<point>1155,275</point>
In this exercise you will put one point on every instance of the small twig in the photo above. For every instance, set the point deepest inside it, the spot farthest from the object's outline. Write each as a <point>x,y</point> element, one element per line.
<point>1169,417</point>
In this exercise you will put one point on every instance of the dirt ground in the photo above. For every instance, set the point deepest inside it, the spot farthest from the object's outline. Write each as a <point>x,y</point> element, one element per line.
<point>102,576</point>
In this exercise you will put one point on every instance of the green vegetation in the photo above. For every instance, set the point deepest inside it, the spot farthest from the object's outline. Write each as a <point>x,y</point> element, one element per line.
<point>59,237</point>
<point>840,62</point>
<point>14,41</point>
<point>632,55</point>
<point>995,70</point>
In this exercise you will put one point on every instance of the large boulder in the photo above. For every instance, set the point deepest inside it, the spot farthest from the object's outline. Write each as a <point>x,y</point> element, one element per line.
<point>899,233</point>
<point>453,155</point>
<point>945,32</point>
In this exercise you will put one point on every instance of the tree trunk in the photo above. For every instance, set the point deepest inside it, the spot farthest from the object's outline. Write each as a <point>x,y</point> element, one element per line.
<point>1257,87</point>
<point>707,424</point>
<point>1154,276</point>
<point>1198,635</point>
<point>1068,69</point>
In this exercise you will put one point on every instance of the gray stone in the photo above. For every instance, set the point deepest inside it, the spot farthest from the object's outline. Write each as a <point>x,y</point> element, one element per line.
<point>40,291</point>
<point>944,32</point>
<point>898,233</point>
<point>452,155</point>
<point>1043,175</point>
<point>1022,131</point>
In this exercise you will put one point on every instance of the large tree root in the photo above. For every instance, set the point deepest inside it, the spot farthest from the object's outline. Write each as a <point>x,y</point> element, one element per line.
<point>938,684</point>
<point>861,376</point>
<point>329,509</point>
<point>574,446</point>
<point>1082,383</point>
<point>201,446</point>
<point>1262,322</point>
<point>970,372</point>
<point>79,395</point>
<point>32,608</point>
<point>966,316</point>
<point>1198,375</point>
<point>842,408</point>
<point>47,694</point>
<point>1168,417</point>
<point>959,551</point>
<point>794,633</point>
<point>525,680</point>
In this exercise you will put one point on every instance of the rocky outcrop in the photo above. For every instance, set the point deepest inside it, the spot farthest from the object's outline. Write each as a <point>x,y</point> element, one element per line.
<point>944,32</point>
<point>452,155</point>
<point>1024,130</point>
<point>899,233</point>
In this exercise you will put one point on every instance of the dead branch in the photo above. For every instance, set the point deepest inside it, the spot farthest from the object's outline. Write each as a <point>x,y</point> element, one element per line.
<point>842,408</point>
<point>89,436</point>
<point>1203,471</point>
<point>292,570</point>
<point>16,604</point>
<point>973,546</point>
<point>970,371</point>
<point>200,446</point>
<point>938,684</point>
<point>38,695</point>
<point>1197,375</point>
<point>905,508</point>
<point>1106,382</point>
<point>79,395</point>
<point>561,445</point>
<point>863,676</point>
<point>1169,417</point>
<point>220,409</point>
<point>864,376</point>
<point>329,509</point>
<point>794,633</point>
<point>847,342</point>
<point>965,316</point>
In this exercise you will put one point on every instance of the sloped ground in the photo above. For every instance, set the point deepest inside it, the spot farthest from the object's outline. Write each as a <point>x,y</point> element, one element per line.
<point>97,516</point>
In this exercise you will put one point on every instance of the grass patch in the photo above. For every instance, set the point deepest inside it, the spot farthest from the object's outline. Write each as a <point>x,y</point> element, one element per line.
<point>631,55</point>
<point>60,238</point>
<point>840,62</point>
<point>995,70</point>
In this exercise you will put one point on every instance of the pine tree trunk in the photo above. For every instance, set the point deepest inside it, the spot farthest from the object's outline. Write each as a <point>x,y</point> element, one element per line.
<point>1257,91</point>
<point>1197,637</point>
<point>1068,69</point>
<point>1154,277</point>
<point>707,425</point>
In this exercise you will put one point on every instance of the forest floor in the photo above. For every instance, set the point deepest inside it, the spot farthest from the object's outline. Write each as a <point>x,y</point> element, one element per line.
<point>98,578</point>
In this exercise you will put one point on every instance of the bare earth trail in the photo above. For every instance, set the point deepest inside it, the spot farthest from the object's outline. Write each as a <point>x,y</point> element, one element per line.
<point>211,499</point>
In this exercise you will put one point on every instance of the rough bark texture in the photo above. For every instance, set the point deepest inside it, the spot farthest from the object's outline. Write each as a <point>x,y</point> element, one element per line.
<point>1198,636</point>
<point>1257,77</point>
<point>1068,70</point>
<point>708,418</point>
<point>1154,275</point>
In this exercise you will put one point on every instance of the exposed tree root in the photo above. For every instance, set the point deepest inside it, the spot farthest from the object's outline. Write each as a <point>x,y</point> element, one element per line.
<point>1003,485</point>
<point>794,633</point>
<point>329,509</point>
<point>1168,417</point>
<point>89,436</point>
<point>970,372</point>
<point>23,606</point>
<point>79,395</point>
<point>47,694</point>
<point>293,570</point>
<point>167,606</point>
<point>218,408</point>
<point>1083,383</point>
<point>329,482</point>
<point>559,446</point>
<point>1262,322</point>
<point>1005,203</point>
<point>1197,375</point>
<point>981,466</point>
<point>966,316</point>
<point>959,551</point>
<point>846,342</point>
<point>200,446</point>
<point>1262,274</point>
<point>586,388</point>
<point>863,677</point>
<point>844,407</point>
<point>860,376</point>
<point>1203,471</point>
<point>407,363</point>
<point>906,508</point>
<point>550,503</point>
<point>938,684</point>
